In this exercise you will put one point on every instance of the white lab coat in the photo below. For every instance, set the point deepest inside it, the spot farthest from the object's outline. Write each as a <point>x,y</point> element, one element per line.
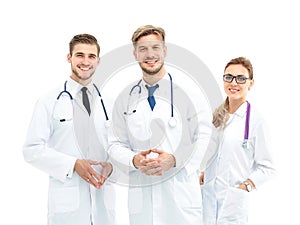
<point>229,165</point>
<point>174,198</point>
<point>52,147</point>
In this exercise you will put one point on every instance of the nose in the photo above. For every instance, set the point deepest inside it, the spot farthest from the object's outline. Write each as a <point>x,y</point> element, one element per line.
<point>150,53</point>
<point>234,82</point>
<point>86,59</point>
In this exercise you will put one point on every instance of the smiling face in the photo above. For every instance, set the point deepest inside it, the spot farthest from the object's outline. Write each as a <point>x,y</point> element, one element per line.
<point>150,52</point>
<point>84,61</point>
<point>237,92</point>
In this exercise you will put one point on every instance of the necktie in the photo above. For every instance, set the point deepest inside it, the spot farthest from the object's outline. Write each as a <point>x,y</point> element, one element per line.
<point>85,100</point>
<point>151,98</point>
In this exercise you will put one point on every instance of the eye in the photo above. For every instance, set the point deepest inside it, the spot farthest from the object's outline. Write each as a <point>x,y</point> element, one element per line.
<point>92,56</point>
<point>241,79</point>
<point>142,49</point>
<point>228,77</point>
<point>79,55</point>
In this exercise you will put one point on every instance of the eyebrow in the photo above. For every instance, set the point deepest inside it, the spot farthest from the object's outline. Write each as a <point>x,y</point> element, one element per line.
<point>239,75</point>
<point>81,53</point>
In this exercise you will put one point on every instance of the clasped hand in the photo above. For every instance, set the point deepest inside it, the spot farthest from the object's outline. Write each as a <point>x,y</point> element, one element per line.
<point>84,169</point>
<point>154,166</point>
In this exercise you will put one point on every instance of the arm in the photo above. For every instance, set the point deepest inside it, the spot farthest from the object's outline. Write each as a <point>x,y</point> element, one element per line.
<point>36,150</point>
<point>264,165</point>
<point>199,130</point>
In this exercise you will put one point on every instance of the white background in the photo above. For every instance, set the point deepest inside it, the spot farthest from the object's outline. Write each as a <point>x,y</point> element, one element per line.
<point>34,44</point>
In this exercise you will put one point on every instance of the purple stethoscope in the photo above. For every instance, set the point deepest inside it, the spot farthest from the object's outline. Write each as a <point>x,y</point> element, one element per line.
<point>246,132</point>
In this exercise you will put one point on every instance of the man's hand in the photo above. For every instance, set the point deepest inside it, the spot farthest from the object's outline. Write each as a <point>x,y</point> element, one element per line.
<point>156,166</point>
<point>138,158</point>
<point>166,160</point>
<point>84,169</point>
<point>105,172</point>
<point>201,178</point>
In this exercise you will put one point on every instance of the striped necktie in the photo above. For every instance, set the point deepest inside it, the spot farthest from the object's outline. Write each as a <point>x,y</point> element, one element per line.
<point>151,98</point>
<point>85,100</point>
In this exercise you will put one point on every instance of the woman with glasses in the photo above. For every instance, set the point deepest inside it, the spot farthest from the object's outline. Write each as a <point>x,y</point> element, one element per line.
<point>238,159</point>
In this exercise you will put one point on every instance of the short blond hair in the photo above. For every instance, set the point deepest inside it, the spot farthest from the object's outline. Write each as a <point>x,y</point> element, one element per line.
<point>147,30</point>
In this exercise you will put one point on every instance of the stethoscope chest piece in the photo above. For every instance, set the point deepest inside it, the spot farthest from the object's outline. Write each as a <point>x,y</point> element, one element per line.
<point>107,123</point>
<point>245,144</point>
<point>172,122</point>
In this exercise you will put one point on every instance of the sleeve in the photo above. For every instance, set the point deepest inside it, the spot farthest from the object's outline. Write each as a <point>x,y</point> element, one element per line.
<point>212,150</point>
<point>198,127</point>
<point>119,149</point>
<point>36,150</point>
<point>264,164</point>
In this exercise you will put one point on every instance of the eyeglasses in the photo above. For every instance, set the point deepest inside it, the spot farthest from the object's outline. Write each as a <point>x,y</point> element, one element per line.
<point>240,79</point>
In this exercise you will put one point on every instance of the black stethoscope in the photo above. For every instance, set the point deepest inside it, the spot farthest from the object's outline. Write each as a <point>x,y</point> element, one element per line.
<point>172,121</point>
<point>246,132</point>
<point>71,98</point>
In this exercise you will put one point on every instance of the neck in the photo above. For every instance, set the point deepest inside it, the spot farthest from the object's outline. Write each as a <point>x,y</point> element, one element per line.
<point>234,105</point>
<point>81,81</point>
<point>154,78</point>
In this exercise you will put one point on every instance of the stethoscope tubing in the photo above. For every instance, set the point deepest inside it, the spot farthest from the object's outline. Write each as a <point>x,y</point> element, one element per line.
<point>71,97</point>
<point>138,85</point>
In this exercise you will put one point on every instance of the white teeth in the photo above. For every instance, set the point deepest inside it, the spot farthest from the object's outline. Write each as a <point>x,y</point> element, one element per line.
<point>86,69</point>
<point>150,61</point>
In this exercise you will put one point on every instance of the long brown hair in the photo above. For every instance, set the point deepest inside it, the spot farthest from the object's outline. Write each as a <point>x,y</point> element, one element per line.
<point>220,115</point>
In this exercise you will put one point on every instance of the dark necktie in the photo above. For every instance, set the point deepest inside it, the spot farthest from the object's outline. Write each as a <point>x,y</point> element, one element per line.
<point>85,100</point>
<point>151,98</point>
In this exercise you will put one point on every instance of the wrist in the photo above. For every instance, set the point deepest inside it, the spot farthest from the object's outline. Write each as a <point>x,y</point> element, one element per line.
<point>111,169</point>
<point>249,186</point>
<point>135,161</point>
<point>174,161</point>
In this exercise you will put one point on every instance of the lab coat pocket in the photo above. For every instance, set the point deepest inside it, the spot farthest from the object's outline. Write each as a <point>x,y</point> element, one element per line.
<point>63,109</point>
<point>135,204</point>
<point>65,199</point>
<point>235,205</point>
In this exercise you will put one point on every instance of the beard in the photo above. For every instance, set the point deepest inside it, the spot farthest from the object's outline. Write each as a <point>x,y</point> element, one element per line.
<point>151,72</point>
<point>80,77</point>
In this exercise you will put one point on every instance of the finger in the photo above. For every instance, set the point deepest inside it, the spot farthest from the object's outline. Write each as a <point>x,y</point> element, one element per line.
<point>95,176</point>
<point>155,171</point>
<point>159,151</point>
<point>102,180</point>
<point>149,170</point>
<point>102,163</point>
<point>92,162</point>
<point>146,152</point>
<point>149,161</point>
<point>94,181</point>
<point>151,164</point>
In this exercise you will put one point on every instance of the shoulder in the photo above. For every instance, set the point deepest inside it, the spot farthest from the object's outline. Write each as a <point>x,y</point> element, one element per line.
<point>49,97</point>
<point>257,118</point>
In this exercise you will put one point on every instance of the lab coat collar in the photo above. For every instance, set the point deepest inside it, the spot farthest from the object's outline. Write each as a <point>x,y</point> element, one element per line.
<point>241,111</point>
<point>75,87</point>
<point>165,77</point>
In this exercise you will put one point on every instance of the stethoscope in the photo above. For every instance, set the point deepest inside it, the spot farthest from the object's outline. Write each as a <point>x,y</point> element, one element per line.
<point>245,144</point>
<point>172,121</point>
<point>107,122</point>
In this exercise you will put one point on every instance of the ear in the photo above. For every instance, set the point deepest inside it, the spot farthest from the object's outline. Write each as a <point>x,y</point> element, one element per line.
<point>69,57</point>
<point>98,61</point>
<point>251,84</point>
<point>165,51</point>
<point>135,54</point>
